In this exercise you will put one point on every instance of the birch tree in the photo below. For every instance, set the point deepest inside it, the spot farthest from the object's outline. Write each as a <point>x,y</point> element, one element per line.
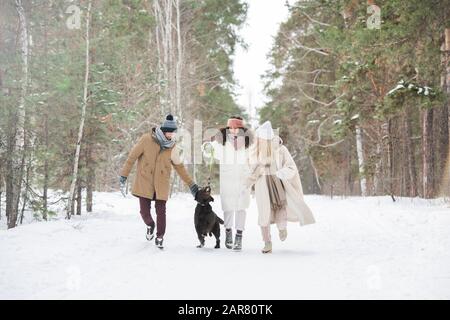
<point>83,115</point>
<point>360,153</point>
<point>16,162</point>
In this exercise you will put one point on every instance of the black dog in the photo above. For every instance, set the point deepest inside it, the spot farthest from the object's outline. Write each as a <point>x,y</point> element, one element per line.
<point>205,220</point>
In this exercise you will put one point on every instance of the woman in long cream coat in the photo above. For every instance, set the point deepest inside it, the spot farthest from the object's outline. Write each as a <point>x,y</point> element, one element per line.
<point>269,156</point>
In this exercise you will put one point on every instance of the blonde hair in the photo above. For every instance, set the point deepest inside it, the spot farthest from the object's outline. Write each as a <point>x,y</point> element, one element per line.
<point>264,151</point>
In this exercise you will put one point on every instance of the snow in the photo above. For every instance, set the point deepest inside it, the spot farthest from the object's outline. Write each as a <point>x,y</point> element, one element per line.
<point>426,91</point>
<point>360,248</point>
<point>398,87</point>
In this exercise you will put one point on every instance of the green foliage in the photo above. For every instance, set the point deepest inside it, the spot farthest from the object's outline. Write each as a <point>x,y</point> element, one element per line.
<point>331,73</point>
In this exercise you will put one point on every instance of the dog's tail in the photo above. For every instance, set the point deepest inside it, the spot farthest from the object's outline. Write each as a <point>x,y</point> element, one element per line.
<point>220,220</point>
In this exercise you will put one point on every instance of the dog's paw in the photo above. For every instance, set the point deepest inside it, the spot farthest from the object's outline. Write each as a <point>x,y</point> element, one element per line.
<point>200,246</point>
<point>217,246</point>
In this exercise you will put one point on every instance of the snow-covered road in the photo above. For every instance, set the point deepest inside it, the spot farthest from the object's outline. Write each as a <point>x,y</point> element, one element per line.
<point>359,248</point>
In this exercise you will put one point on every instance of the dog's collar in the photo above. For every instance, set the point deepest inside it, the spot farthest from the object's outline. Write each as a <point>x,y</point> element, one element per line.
<point>201,204</point>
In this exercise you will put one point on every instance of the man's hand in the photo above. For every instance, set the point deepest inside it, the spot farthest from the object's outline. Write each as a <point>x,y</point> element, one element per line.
<point>122,181</point>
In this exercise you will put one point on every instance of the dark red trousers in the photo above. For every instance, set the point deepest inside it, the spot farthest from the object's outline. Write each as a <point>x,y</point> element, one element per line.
<point>160,206</point>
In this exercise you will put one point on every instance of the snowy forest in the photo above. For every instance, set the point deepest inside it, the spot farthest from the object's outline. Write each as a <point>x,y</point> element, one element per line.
<point>359,91</point>
<point>364,110</point>
<point>80,83</point>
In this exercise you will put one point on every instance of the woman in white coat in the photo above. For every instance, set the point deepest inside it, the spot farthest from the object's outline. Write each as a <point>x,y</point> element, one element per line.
<point>231,148</point>
<point>278,189</point>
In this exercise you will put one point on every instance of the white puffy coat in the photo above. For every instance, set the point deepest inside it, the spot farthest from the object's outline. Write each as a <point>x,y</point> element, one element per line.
<point>234,172</point>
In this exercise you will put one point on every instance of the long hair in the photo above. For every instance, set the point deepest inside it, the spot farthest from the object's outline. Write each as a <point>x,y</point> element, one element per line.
<point>264,151</point>
<point>222,136</point>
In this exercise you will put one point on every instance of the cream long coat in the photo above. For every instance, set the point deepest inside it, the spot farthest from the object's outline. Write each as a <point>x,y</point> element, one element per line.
<point>281,164</point>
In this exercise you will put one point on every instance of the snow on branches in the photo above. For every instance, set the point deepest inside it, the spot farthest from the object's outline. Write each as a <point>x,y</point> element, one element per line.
<point>403,86</point>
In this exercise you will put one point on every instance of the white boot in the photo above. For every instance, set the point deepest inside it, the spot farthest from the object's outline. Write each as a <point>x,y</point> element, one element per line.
<point>283,234</point>
<point>267,247</point>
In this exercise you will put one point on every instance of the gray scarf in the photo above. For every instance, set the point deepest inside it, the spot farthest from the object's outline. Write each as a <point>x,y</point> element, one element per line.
<point>163,142</point>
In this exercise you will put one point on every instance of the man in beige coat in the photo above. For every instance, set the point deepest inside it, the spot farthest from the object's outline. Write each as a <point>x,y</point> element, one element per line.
<point>269,157</point>
<point>156,153</point>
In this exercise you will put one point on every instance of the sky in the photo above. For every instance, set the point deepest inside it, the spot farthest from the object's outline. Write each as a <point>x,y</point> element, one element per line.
<point>263,20</point>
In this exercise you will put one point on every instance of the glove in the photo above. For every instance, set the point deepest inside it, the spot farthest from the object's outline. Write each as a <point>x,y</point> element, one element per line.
<point>194,189</point>
<point>122,181</point>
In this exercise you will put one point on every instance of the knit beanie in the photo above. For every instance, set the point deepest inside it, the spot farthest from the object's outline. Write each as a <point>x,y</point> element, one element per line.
<point>169,125</point>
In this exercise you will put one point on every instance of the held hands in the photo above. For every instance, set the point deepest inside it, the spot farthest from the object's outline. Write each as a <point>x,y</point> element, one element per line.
<point>248,186</point>
<point>122,181</point>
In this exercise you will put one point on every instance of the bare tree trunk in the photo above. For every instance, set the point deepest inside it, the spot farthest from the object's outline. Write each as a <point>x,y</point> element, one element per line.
<point>1,186</point>
<point>387,137</point>
<point>79,197</point>
<point>170,54</point>
<point>442,119</point>
<point>90,178</point>
<point>83,116</point>
<point>25,195</point>
<point>360,153</point>
<point>167,36</point>
<point>410,157</point>
<point>377,175</point>
<point>46,169</point>
<point>46,137</point>
<point>179,61</point>
<point>9,183</point>
<point>349,177</point>
<point>17,155</point>
<point>157,13</point>
<point>164,38</point>
<point>316,173</point>
<point>446,182</point>
<point>21,110</point>
<point>427,153</point>
<point>2,157</point>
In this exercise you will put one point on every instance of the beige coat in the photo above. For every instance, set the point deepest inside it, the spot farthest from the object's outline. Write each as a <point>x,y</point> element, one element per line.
<point>281,164</point>
<point>153,168</point>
